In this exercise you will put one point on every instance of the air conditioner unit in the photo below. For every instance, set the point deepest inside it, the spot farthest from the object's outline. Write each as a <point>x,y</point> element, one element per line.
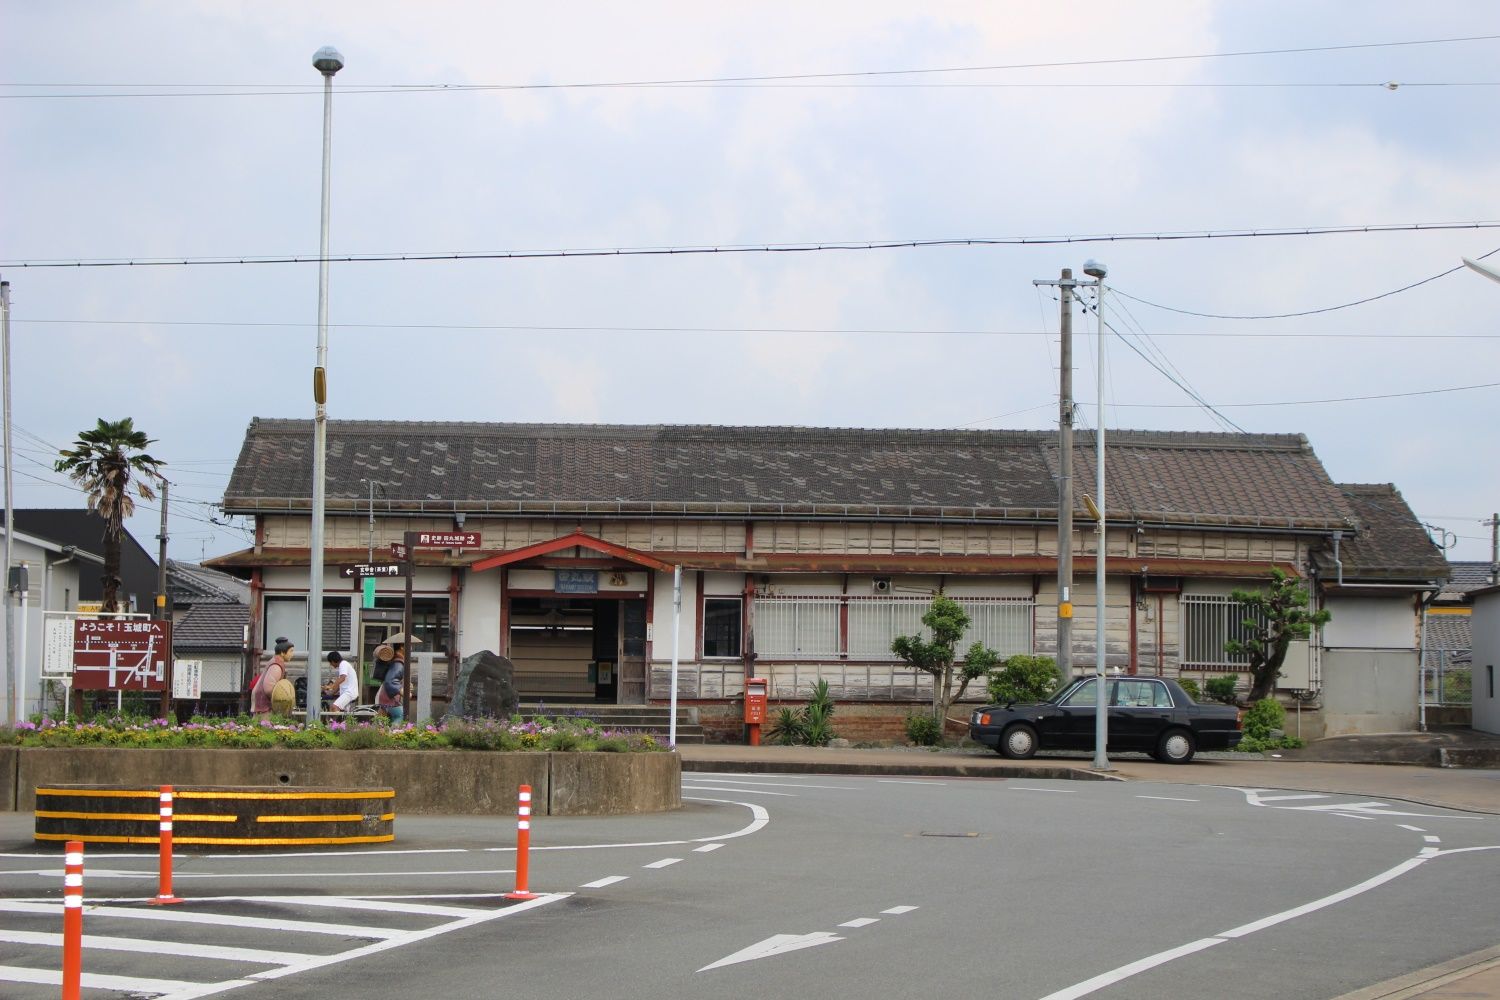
<point>881,585</point>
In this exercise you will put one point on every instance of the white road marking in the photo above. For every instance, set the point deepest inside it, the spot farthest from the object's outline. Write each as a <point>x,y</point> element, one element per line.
<point>1166,798</point>
<point>1413,829</point>
<point>1126,971</point>
<point>224,920</point>
<point>706,848</point>
<point>89,980</point>
<point>1254,797</point>
<point>366,853</point>
<point>898,910</point>
<point>1286,798</point>
<point>757,823</point>
<point>103,873</point>
<point>663,863</point>
<point>102,942</point>
<point>1353,816</point>
<point>777,944</point>
<point>741,791</point>
<point>904,781</point>
<point>1028,788</point>
<point>1161,958</point>
<point>601,883</point>
<point>387,905</point>
<point>1433,840</point>
<point>860,922</point>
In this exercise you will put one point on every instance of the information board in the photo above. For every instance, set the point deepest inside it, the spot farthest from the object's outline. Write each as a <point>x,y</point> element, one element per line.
<point>57,648</point>
<point>121,655</point>
<point>187,679</point>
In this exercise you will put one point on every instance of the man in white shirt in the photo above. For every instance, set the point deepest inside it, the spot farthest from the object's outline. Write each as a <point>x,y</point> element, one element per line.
<point>344,688</point>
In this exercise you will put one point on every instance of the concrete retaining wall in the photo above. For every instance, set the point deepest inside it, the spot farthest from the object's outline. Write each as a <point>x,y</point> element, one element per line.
<point>427,782</point>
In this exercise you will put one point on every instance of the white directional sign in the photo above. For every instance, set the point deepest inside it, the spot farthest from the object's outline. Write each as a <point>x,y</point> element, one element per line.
<point>777,944</point>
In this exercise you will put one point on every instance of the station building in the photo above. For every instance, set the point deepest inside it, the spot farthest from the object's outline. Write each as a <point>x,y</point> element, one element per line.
<point>803,552</point>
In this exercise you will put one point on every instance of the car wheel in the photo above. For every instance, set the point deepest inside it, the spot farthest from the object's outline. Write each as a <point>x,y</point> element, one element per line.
<point>1176,746</point>
<point>1018,742</point>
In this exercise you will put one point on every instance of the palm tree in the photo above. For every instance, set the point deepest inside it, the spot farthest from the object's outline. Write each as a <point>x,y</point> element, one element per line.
<point>101,462</point>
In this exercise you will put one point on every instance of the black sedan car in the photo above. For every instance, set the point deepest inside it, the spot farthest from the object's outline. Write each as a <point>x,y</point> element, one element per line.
<point>1149,714</point>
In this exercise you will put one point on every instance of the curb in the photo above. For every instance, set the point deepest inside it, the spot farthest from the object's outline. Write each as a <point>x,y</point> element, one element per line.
<point>930,770</point>
<point>1454,971</point>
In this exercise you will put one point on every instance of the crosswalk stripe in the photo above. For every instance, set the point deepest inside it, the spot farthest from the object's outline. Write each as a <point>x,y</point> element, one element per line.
<point>221,919</point>
<point>92,980</point>
<point>352,903</point>
<point>103,942</point>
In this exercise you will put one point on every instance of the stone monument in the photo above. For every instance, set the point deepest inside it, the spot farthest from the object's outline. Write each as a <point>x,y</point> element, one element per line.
<point>486,688</point>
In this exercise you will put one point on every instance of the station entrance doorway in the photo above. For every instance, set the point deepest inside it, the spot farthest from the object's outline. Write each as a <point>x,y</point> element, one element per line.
<point>579,649</point>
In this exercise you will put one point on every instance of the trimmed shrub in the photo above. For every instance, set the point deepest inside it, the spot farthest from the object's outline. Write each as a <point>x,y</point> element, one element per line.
<point>1024,678</point>
<point>923,730</point>
<point>1222,688</point>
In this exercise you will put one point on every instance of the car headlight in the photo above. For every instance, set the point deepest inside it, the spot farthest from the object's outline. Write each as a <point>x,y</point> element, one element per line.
<point>980,719</point>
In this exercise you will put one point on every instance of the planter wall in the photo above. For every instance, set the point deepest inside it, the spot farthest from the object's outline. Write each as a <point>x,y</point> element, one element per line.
<point>427,782</point>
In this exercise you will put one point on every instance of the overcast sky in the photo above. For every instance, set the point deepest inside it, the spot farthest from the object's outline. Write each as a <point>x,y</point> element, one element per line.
<point>213,150</point>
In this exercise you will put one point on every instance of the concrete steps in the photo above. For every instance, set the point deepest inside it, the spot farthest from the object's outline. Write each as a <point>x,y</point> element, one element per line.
<point>631,718</point>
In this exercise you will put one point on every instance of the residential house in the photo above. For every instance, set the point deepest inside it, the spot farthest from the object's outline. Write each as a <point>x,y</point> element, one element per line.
<point>210,624</point>
<point>55,572</point>
<point>1486,625</point>
<point>803,552</point>
<point>84,529</point>
<point>1377,583</point>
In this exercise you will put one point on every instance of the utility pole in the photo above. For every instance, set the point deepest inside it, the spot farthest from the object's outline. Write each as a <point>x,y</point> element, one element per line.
<point>163,612</point>
<point>12,671</point>
<point>1065,478</point>
<point>1493,522</point>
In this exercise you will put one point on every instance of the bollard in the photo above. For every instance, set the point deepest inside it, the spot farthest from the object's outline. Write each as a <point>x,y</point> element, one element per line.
<point>164,881</point>
<point>72,970</point>
<point>523,847</point>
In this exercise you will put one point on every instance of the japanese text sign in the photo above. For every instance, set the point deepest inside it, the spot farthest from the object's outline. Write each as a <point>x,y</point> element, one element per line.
<point>112,655</point>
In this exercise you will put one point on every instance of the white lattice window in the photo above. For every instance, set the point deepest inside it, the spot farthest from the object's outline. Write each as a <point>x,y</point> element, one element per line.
<point>808,627</point>
<point>787,627</point>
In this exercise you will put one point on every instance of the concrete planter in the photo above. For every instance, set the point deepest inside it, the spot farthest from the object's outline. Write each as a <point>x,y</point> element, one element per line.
<point>427,782</point>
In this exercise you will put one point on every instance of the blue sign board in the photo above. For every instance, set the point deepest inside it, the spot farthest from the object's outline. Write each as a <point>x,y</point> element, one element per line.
<point>577,581</point>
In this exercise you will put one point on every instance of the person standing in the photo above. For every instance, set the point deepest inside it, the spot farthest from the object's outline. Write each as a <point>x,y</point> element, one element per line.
<point>388,699</point>
<point>343,688</point>
<point>275,672</point>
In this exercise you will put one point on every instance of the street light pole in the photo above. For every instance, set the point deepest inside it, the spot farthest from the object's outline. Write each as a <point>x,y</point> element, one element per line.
<point>1097,271</point>
<point>328,62</point>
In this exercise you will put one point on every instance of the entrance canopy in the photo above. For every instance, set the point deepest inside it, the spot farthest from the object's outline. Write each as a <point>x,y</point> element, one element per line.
<point>576,539</point>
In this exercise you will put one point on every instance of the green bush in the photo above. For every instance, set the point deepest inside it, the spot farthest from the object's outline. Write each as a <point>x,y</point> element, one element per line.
<point>1262,717</point>
<point>789,727</point>
<point>1191,687</point>
<point>1024,678</point>
<point>923,730</point>
<point>1251,745</point>
<point>1222,688</point>
<point>363,738</point>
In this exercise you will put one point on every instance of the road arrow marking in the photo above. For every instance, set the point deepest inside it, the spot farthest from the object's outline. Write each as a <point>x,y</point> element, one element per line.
<point>777,944</point>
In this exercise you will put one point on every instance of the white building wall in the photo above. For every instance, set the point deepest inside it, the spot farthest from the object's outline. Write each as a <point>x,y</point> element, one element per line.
<point>1484,625</point>
<point>479,613</point>
<point>1370,622</point>
<point>45,592</point>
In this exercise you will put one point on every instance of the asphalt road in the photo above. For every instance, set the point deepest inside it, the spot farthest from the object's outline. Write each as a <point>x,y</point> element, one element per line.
<point>783,885</point>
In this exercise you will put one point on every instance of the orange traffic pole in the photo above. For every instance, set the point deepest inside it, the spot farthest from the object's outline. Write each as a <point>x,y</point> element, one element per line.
<point>72,970</point>
<point>164,881</point>
<point>523,847</point>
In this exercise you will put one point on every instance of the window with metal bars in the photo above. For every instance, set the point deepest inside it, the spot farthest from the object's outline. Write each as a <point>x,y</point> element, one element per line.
<point>1209,621</point>
<point>809,627</point>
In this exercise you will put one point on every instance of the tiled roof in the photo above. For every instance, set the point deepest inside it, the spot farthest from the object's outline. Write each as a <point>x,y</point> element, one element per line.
<point>1391,542</point>
<point>1464,577</point>
<point>211,627</point>
<point>1181,478</point>
<point>1449,632</point>
<point>191,584</point>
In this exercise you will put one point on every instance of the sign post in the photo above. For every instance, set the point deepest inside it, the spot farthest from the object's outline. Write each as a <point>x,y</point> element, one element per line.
<point>114,655</point>
<point>414,540</point>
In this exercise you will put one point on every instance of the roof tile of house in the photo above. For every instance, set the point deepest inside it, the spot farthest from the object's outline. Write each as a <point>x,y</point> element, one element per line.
<point>1269,480</point>
<point>1391,542</point>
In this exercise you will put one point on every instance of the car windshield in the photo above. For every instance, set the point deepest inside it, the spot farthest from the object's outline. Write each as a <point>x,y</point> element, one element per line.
<point>1081,694</point>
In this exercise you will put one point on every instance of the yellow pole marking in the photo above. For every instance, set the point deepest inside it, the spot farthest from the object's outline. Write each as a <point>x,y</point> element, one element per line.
<point>386,793</point>
<point>100,793</point>
<point>387,817</point>
<point>320,818</point>
<point>222,841</point>
<point>140,817</point>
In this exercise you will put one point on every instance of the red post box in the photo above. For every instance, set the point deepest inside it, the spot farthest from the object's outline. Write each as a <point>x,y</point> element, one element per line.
<point>755,707</point>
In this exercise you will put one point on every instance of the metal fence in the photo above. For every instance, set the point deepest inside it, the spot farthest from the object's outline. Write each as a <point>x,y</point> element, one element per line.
<point>1449,678</point>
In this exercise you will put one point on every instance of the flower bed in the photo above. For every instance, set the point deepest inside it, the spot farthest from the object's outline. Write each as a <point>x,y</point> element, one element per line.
<point>541,735</point>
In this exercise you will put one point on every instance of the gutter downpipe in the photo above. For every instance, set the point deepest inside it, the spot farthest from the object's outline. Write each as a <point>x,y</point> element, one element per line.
<point>1423,603</point>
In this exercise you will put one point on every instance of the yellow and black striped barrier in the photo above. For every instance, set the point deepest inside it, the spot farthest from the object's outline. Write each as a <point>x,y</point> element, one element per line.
<point>219,817</point>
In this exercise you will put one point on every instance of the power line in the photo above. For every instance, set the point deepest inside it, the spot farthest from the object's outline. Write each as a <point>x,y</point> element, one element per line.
<point>836,331</point>
<point>1304,312</point>
<point>772,248</point>
<point>786,77</point>
<point>1310,402</point>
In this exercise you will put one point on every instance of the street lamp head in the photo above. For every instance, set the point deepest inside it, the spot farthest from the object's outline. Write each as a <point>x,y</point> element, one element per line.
<point>327,60</point>
<point>1094,269</point>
